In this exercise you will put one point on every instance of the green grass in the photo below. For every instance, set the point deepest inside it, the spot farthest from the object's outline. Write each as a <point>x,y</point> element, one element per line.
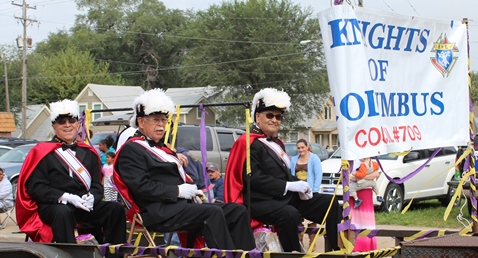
<point>424,214</point>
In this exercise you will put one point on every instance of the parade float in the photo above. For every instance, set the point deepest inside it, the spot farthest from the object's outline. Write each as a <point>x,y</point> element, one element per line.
<point>399,83</point>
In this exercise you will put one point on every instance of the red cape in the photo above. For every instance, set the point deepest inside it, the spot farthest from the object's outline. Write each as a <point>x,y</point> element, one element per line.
<point>28,219</point>
<point>233,183</point>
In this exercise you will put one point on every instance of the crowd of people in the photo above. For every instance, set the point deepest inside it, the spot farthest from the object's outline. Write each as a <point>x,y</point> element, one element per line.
<point>65,182</point>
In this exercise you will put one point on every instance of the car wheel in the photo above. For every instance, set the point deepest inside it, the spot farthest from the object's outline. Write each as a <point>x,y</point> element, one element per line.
<point>393,199</point>
<point>14,182</point>
<point>451,191</point>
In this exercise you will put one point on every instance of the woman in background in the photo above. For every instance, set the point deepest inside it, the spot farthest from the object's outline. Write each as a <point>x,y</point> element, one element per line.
<point>105,146</point>
<point>306,166</point>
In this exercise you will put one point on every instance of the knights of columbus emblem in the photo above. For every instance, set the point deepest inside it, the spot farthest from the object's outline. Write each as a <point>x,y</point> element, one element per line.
<point>444,59</point>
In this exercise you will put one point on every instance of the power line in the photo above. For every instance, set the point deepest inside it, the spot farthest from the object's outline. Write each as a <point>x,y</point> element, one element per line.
<point>413,7</point>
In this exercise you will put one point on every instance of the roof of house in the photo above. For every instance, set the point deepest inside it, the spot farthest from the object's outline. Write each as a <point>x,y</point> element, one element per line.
<point>42,132</point>
<point>113,96</point>
<point>188,96</point>
<point>7,123</point>
<point>326,125</point>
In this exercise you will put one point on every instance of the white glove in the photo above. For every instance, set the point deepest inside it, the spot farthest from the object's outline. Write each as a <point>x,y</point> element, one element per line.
<point>74,200</point>
<point>187,191</point>
<point>306,196</point>
<point>89,201</point>
<point>298,186</point>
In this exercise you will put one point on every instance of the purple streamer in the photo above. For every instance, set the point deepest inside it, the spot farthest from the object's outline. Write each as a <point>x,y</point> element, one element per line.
<point>141,250</point>
<point>412,174</point>
<point>338,2</point>
<point>203,147</point>
<point>103,249</point>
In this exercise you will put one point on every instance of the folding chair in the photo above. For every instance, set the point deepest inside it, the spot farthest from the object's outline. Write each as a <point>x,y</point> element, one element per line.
<point>136,222</point>
<point>8,214</point>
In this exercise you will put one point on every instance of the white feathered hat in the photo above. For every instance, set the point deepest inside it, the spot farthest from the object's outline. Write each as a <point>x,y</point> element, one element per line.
<point>269,99</point>
<point>151,102</point>
<point>65,107</point>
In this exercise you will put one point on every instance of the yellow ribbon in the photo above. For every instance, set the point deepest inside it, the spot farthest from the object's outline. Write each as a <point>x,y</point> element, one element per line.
<point>312,244</point>
<point>248,141</point>
<point>175,127</point>
<point>168,128</point>
<point>87,125</point>
<point>457,193</point>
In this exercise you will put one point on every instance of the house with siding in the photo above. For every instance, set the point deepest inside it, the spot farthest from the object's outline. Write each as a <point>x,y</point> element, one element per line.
<point>104,97</point>
<point>38,124</point>
<point>321,129</point>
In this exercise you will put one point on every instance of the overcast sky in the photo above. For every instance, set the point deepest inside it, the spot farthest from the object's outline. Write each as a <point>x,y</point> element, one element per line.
<point>54,15</point>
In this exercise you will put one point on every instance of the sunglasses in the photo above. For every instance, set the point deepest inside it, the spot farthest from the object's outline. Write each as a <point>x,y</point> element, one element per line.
<point>278,116</point>
<point>63,120</point>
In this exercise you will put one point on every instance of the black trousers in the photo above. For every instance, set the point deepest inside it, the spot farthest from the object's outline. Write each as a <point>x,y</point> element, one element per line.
<point>288,217</point>
<point>106,221</point>
<point>223,225</point>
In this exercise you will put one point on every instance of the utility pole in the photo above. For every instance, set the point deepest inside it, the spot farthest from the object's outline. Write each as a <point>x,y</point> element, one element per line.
<point>5,78</point>
<point>25,21</point>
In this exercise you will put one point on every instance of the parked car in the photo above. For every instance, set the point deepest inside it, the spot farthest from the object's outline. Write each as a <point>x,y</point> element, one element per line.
<point>218,143</point>
<point>317,149</point>
<point>396,195</point>
<point>97,137</point>
<point>4,149</point>
<point>12,162</point>
<point>14,142</point>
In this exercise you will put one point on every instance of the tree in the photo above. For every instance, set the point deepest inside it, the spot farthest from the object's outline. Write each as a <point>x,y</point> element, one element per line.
<point>474,88</point>
<point>65,74</point>
<point>133,37</point>
<point>249,45</point>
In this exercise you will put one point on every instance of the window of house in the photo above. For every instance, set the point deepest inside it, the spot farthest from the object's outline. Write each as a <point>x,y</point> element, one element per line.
<point>294,136</point>
<point>97,115</point>
<point>82,107</point>
<point>327,112</point>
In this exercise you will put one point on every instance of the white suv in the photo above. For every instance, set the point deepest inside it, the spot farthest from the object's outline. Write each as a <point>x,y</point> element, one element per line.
<point>396,195</point>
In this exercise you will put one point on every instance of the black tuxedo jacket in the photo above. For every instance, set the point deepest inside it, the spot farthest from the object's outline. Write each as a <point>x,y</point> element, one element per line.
<point>268,178</point>
<point>51,178</point>
<point>152,183</point>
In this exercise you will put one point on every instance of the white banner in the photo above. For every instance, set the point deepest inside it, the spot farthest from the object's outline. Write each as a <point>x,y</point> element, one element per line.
<point>398,82</point>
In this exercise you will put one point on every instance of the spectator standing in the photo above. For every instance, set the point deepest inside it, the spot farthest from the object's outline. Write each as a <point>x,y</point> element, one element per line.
<point>110,193</point>
<point>105,146</point>
<point>306,166</point>
<point>214,173</point>
<point>367,167</point>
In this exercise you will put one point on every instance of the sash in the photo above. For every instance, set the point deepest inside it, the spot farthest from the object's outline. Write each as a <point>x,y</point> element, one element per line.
<point>163,156</point>
<point>278,151</point>
<point>75,165</point>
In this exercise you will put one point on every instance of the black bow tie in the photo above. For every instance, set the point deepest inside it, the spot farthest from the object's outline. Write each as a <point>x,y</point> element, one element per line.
<point>157,144</point>
<point>71,146</point>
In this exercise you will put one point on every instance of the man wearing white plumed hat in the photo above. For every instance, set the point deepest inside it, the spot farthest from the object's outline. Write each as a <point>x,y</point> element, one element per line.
<point>151,175</point>
<point>275,197</point>
<point>60,186</point>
